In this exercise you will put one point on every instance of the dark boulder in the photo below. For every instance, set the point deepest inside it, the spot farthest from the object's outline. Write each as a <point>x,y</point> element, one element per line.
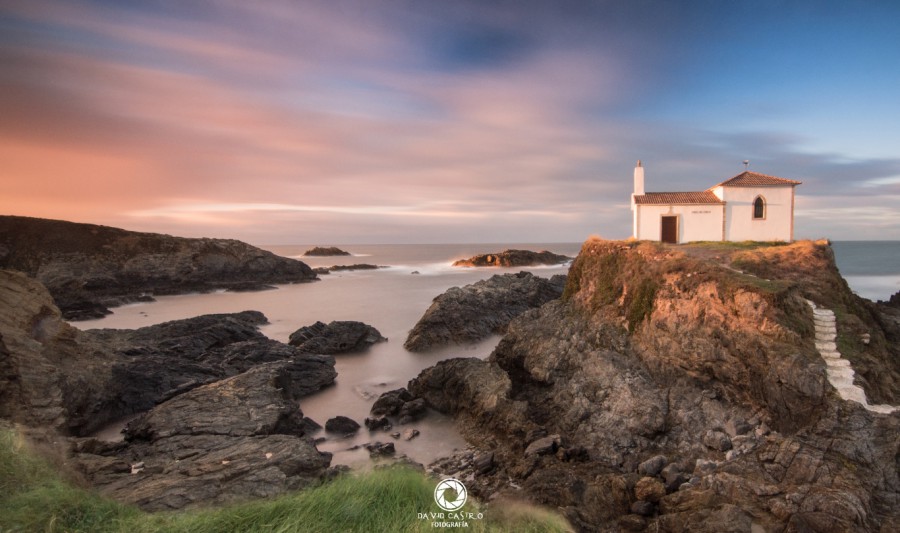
<point>378,423</point>
<point>335,337</point>
<point>380,449</point>
<point>342,425</point>
<point>390,402</point>
<point>476,311</point>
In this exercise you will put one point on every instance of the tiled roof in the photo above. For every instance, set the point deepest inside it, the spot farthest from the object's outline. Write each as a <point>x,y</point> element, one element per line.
<point>678,198</point>
<point>755,179</point>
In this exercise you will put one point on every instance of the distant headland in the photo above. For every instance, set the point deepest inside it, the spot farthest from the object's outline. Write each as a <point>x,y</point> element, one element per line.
<point>513,258</point>
<point>90,268</point>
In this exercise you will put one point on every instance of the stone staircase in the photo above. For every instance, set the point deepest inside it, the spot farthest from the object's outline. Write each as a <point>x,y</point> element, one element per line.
<point>838,370</point>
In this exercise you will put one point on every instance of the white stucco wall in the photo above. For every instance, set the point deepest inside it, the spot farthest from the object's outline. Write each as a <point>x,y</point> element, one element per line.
<point>740,224</point>
<point>695,222</point>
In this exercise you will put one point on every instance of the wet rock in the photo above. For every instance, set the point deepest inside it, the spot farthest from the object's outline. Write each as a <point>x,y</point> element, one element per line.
<point>378,423</point>
<point>308,426</point>
<point>78,381</point>
<point>201,447</point>
<point>346,268</point>
<point>476,311</point>
<point>412,411</point>
<point>335,337</point>
<point>462,383</point>
<point>390,402</point>
<point>342,425</point>
<point>267,392</point>
<point>410,434</point>
<point>380,449</point>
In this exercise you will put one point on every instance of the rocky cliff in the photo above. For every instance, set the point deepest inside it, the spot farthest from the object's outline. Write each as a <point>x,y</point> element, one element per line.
<point>88,268</point>
<point>680,388</point>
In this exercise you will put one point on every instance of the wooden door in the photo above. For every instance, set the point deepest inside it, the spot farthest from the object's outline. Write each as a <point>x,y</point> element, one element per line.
<point>670,229</point>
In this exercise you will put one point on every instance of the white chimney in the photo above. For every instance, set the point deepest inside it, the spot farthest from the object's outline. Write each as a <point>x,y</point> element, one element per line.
<point>639,178</point>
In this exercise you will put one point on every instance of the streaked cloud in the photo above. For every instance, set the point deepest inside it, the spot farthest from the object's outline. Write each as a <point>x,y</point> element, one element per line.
<point>417,122</point>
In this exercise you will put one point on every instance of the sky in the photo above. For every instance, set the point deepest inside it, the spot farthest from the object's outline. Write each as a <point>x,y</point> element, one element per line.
<point>431,121</point>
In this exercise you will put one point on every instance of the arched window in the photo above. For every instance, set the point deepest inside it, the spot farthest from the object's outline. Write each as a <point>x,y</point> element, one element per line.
<point>759,208</point>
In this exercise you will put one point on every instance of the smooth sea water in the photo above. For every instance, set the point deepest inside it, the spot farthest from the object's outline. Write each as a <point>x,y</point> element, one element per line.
<point>871,268</point>
<point>392,300</point>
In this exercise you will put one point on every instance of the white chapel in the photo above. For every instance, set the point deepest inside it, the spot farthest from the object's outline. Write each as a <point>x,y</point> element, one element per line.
<point>747,207</point>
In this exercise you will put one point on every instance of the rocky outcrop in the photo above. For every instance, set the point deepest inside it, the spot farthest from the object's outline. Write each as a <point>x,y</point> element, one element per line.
<point>473,312</point>
<point>222,418</point>
<point>57,376</point>
<point>339,336</point>
<point>50,372</point>
<point>234,439</point>
<point>400,404</point>
<point>514,258</point>
<point>325,251</point>
<point>89,268</point>
<point>667,392</point>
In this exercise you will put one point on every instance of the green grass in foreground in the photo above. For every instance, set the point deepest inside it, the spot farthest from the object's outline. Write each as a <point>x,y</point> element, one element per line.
<point>33,497</point>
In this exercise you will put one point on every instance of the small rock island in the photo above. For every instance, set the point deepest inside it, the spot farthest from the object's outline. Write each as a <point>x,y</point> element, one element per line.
<point>514,258</point>
<point>325,251</point>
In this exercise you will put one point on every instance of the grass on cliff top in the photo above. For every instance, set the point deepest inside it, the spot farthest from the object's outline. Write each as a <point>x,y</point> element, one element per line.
<point>36,498</point>
<point>733,245</point>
